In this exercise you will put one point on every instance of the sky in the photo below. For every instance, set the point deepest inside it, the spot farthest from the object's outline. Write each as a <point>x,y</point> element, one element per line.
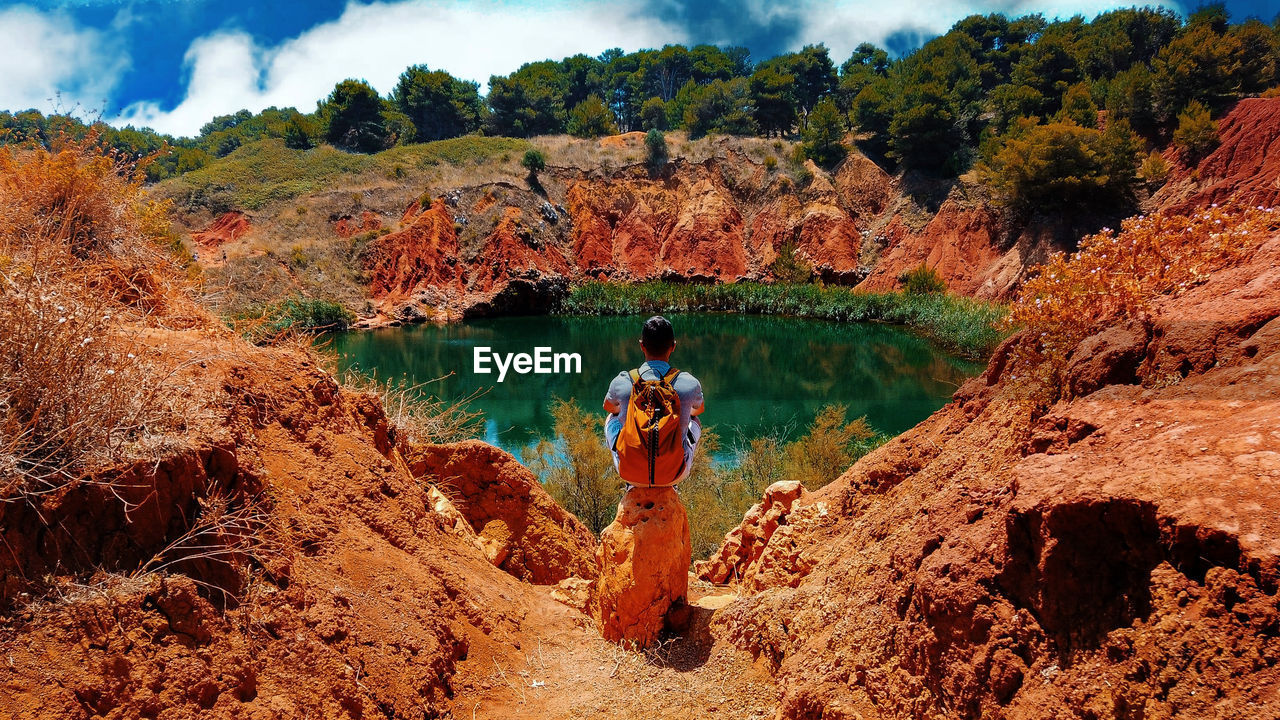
<point>172,65</point>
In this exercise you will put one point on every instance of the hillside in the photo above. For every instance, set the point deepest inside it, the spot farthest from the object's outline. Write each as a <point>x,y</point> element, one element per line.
<point>467,233</point>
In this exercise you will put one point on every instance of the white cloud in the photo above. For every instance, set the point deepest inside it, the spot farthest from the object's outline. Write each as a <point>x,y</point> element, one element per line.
<point>856,21</point>
<point>377,42</point>
<point>46,54</point>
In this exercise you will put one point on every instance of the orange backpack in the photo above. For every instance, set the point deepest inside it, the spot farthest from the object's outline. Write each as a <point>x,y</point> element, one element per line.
<point>650,448</point>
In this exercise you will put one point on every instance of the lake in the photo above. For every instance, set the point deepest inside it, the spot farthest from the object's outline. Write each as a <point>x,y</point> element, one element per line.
<point>760,374</point>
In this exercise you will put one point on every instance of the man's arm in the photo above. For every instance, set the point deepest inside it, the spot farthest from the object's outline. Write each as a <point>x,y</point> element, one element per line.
<point>610,406</point>
<point>612,398</point>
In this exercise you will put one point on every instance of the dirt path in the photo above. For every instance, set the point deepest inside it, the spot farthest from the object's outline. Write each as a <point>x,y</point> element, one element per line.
<point>572,673</point>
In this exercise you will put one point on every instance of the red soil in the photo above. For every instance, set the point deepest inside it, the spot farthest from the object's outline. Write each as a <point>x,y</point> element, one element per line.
<point>229,227</point>
<point>1244,169</point>
<point>346,226</point>
<point>1114,555</point>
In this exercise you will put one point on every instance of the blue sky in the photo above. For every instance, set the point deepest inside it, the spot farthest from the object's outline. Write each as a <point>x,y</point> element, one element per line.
<point>173,64</point>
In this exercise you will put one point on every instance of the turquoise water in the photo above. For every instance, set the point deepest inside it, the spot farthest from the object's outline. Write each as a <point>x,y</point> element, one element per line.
<point>759,374</point>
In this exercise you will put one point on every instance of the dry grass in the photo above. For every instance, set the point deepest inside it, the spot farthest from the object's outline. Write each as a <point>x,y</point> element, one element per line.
<point>82,255</point>
<point>414,414</point>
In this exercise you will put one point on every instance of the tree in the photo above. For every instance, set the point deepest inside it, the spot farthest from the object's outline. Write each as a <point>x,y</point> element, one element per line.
<point>773,100</point>
<point>1062,165</point>
<point>814,76</point>
<point>722,106</point>
<point>1078,107</point>
<point>825,134</point>
<point>655,146</point>
<point>653,114</point>
<point>534,161</point>
<point>438,104</point>
<point>299,133</point>
<point>1200,65</point>
<point>354,117</point>
<point>1197,133</point>
<point>528,102</point>
<point>590,119</point>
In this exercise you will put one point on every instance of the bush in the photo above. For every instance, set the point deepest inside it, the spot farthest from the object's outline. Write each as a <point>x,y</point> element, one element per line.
<point>1059,165</point>
<point>1197,133</point>
<point>791,268</point>
<point>534,161</point>
<point>591,119</point>
<point>832,444</point>
<point>922,280</point>
<point>82,253</point>
<point>576,467</point>
<point>293,315</point>
<point>655,147</point>
<point>1155,170</point>
<point>1119,274</point>
<point>653,114</point>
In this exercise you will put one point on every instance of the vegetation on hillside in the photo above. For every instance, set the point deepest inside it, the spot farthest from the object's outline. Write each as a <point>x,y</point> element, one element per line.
<point>82,255</point>
<point>966,327</point>
<point>1117,275</point>
<point>967,94</point>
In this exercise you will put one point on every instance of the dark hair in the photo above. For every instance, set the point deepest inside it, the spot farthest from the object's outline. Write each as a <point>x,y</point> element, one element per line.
<point>657,336</point>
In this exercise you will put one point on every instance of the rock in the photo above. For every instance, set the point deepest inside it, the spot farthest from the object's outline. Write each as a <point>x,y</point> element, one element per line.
<point>743,545</point>
<point>643,560</point>
<point>1110,357</point>
<point>574,592</point>
<point>519,527</point>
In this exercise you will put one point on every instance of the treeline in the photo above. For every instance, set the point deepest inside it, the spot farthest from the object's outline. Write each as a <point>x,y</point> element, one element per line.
<point>1054,112</point>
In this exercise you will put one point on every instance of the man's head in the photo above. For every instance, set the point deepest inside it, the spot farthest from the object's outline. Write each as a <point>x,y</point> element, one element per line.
<point>657,338</point>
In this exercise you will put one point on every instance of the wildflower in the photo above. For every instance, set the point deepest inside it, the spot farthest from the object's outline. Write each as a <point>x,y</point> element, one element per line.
<point>110,371</point>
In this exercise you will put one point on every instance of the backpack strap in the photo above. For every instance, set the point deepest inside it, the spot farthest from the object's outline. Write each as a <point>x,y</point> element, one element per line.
<point>670,377</point>
<point>635,376</point>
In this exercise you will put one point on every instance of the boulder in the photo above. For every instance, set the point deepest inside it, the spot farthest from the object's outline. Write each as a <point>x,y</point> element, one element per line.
<point>518,526</point>
<point>643,560</point>
<point>743,545</point>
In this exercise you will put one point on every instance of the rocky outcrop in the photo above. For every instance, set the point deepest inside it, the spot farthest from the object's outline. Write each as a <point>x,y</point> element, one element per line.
<point>229,226</point>
<point>519,527</point>
<point>1115,554</point>
<point>743,545</point>
<point>1243,169</point>
<point>643,557</point>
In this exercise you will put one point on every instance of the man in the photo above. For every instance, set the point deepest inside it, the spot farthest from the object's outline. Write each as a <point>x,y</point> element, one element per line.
<point>657,341</point>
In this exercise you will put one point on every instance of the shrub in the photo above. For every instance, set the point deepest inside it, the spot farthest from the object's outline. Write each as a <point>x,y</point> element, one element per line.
<point>576,467</point>
<point>770,163</point>
<point>1155,170</point>
<point>791,268</point>
<point>655,147</point>
<point>591,119</point>
<point>653,114</point>
<point>1062,164</point>
<point>82,252</point>
<point>1197,133</point>
<point>1119,274</point>
<point>832,444</point>
<point>922,280</point>
<point>292,315</point>
<point>534,161</point>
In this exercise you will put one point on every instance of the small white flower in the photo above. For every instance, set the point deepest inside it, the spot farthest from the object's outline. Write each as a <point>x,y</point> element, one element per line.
<point>110,371</point>
<point>131,356</point>
<point>61,320</point>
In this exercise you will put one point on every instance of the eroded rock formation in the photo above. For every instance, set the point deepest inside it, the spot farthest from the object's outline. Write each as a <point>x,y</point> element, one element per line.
<point>644,555</point>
